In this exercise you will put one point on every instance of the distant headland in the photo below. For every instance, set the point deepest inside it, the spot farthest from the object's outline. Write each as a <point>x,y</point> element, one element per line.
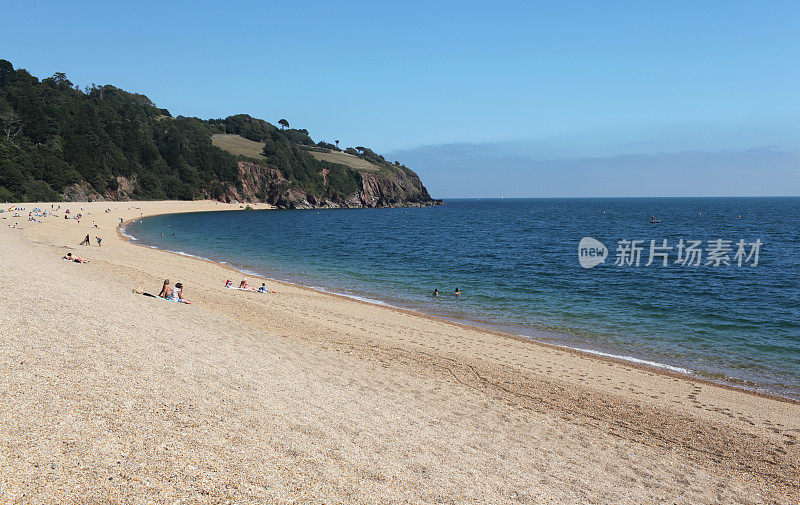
<point>60,142</point>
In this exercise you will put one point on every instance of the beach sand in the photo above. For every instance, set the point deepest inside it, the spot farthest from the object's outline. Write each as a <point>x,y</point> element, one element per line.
<point>107,396</point>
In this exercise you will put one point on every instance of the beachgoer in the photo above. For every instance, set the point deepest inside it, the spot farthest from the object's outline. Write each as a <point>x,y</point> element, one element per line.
<point>243,284</point>
<point>76,259</point>
<point>263,288</point>
<point>436,292</point>
<point>98,241</point>
<point>177,295</point>
<point>85,240</point>
<point>228,284</point>
<point>457,292</point>
<point>166,290</point>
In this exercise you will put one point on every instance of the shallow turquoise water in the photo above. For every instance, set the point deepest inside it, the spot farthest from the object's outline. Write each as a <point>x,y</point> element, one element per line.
<point>516,263</point>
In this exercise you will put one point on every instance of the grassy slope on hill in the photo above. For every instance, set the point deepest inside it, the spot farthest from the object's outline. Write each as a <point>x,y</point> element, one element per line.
<point>238,145</point>
<point>349,160</point>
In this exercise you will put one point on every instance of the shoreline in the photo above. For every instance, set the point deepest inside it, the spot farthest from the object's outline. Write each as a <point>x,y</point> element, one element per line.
<point>304,395</point>
<point>666,369</point>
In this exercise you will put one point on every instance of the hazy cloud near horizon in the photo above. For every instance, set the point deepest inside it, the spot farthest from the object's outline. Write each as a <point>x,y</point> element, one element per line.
<point>494,170</point>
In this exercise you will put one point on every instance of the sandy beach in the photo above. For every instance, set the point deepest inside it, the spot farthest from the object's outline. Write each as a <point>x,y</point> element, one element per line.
<point>107,396</point>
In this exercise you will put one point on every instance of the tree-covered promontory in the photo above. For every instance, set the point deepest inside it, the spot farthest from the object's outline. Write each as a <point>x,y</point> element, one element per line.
<point>58,141</point>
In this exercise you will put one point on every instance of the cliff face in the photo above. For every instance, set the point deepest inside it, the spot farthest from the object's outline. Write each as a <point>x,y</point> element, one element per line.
<point>391,188</point>
<point>83,191</point>
<point>400,188</point>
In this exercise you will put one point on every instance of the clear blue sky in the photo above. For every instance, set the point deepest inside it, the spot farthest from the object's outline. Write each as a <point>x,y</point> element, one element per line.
<point>556,79</point>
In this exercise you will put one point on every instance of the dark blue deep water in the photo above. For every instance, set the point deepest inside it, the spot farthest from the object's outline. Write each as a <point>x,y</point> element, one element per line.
<point>516,262</point>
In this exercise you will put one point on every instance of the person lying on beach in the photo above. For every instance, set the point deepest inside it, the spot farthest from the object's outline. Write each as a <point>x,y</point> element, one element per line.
<point>166,290</point>
<point>76,259</point>
<point>244,286</point>
<point>177,294</point>
<point>165,293</point>
<point>263,288</point>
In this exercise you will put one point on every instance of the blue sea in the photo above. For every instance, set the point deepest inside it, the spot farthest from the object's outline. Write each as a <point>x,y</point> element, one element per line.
<point>516,263</point>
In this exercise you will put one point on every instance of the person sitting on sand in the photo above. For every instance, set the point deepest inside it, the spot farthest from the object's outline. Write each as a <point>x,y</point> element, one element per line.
<point>166,290</point>
<point>76,259</point>
<point>243,284</point>
<point>457,292</point>
<point>228,284</point>
<point>177,294</point>
<point>263,288</point>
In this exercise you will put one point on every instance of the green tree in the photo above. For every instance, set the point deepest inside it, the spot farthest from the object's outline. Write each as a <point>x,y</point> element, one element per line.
<point>11,125</point>
<point>284,124</point>
<point>6,72</point>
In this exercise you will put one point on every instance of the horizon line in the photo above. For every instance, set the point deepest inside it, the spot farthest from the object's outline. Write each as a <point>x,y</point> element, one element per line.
<point>605,197</point>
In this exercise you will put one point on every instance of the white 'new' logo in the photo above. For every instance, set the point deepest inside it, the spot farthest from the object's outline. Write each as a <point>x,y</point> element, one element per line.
<point>591,252</point>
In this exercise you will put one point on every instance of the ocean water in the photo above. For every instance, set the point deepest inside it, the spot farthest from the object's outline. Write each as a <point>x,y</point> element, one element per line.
<point>516,262</point>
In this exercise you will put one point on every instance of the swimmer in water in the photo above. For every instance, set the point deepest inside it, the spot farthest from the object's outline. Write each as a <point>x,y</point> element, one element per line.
<point>436,292</point>
<point>457,292</point>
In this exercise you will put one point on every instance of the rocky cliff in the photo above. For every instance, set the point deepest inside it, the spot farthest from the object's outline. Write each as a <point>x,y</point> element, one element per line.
<point>398,187</point>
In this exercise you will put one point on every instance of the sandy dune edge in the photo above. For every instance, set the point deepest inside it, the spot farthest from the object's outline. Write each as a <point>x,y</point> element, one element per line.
<point>108,396</point>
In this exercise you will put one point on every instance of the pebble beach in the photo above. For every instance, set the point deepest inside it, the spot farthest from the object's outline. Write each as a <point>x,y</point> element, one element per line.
<point>300,396</point>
